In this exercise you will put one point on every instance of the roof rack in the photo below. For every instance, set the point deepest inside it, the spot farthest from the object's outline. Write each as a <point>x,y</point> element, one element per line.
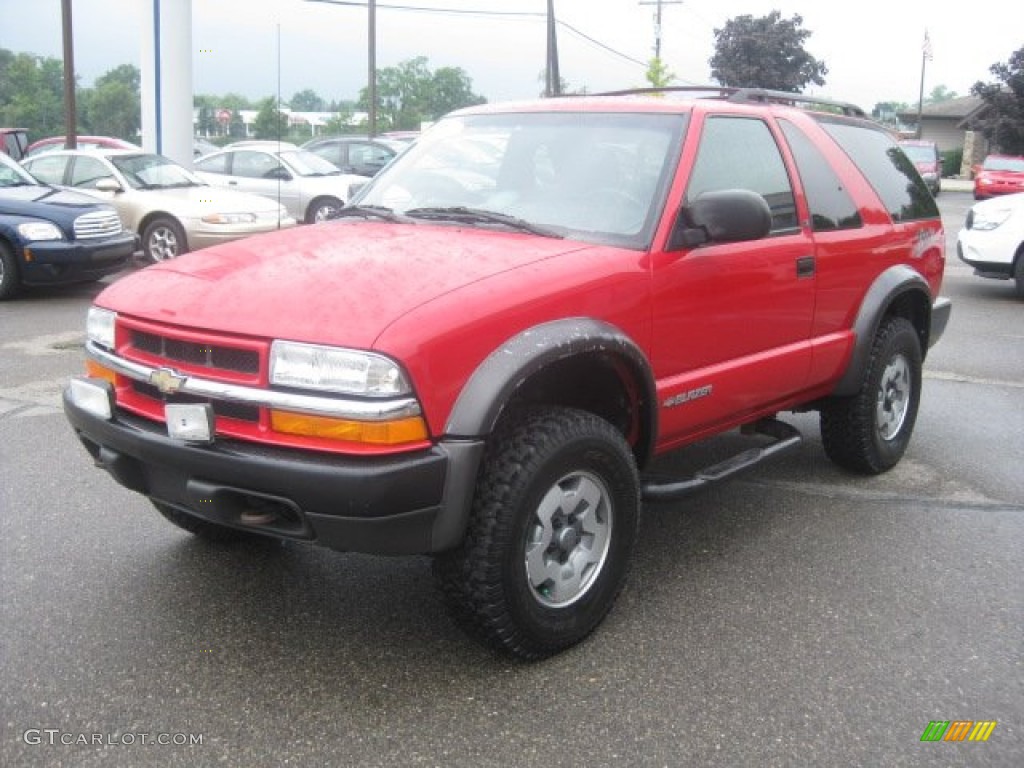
<point>748,96</point>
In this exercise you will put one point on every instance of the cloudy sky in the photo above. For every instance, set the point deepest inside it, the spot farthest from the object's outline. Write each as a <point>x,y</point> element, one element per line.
<point>872,47</point>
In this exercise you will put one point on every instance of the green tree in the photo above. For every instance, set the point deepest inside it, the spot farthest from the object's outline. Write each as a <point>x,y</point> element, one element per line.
<point>658,75</point>
<point>32,94</point>
<point>1002,121</point>
<point>941,93</point>
<point>113,106</point>
<point>765,52</point>
<point>307,101</point>
<point>409,93</point>
<point>270,123</point>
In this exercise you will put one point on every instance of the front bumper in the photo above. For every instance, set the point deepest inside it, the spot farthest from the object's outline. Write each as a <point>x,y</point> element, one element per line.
<point>52,262</point>
<point>408,504</point>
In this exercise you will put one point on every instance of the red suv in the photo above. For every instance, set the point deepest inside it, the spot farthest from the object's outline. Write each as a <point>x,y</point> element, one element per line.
<point>482,358</point>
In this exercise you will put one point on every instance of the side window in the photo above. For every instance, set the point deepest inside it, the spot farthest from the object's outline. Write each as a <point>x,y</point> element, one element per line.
<point>830,203</point>
<point>254,165</point>
<point>741,153</point>
<point>886,167</point>
<point>49,168</point>
<point>214,163</point>
<point>332,153</point>
<point>87,171</point>
<point>367,154</point>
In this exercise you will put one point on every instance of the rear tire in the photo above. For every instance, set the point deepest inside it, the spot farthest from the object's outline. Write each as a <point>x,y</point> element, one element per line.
<point>1018,274</point>
<point>551,533</point>
<point>870,431</point>
<point>10,277</point>
<point>322,209</point>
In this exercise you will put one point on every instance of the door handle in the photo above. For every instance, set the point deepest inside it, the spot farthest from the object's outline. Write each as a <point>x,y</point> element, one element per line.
<point>805,266</point>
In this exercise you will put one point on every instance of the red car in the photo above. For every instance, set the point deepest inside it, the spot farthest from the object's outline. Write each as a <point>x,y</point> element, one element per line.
<point>84,142</point>
<point>481,361</point>
<point>999,175</point>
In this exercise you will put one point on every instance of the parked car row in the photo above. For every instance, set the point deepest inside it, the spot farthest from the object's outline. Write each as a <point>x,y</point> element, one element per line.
<point>50,236</point>
<point>171,208</point>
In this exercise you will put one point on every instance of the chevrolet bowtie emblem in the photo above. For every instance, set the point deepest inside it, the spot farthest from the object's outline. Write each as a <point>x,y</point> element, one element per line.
<point>167,381</point>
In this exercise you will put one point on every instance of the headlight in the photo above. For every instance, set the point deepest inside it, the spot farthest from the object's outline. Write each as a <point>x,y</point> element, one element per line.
<point>990,218</point>
<point>39,230</point>
<point>229,218</point>
<point>331,369</point>
<point>99,326</point>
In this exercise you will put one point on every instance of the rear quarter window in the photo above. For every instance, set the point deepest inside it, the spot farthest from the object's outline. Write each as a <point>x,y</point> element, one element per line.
<point>831,205</point>
<point>887,168</point>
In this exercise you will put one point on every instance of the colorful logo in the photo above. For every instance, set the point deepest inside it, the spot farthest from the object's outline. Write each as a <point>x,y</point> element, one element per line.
<point>958,730</point>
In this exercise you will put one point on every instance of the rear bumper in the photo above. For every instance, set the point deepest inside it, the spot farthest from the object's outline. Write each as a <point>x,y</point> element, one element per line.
<point>941,310</point>
<point>404,504</point>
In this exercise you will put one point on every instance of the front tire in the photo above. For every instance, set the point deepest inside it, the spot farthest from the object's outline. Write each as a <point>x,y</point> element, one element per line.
<point>163,239</point>
<point>550,536</point>
<point>322,209</point>
<point>870,431</point>
<point>10,278</point>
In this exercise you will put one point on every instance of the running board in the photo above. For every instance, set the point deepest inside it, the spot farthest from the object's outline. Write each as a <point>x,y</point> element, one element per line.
<point>785,437</point>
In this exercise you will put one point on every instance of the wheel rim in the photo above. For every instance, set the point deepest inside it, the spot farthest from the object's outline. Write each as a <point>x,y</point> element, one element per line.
<point>894,393</point>
<point>568,540</point>
<point>324,211</point>
<point>163,244</point>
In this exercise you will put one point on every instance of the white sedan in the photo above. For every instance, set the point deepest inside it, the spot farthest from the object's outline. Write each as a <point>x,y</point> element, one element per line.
<point>172,210</point>
<point>311,188</point>
<point>992,240</point>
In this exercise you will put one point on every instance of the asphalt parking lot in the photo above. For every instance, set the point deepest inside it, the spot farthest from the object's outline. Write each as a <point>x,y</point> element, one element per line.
<point>796,615</point>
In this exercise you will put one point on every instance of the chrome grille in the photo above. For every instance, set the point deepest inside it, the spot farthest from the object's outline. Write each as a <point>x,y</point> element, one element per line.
<point>90,226</point>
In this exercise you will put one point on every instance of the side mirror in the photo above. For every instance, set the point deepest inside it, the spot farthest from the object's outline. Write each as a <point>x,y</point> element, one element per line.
<point>108,184</point>
<point>278,173</point>
<point>722,216</point>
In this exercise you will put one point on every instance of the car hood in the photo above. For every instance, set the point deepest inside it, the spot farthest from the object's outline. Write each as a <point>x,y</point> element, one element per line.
<point>36,199</point>
<point>333,283</point>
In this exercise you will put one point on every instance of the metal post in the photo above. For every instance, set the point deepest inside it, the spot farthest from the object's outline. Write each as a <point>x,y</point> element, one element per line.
<point>70,108</point>
<point>553,84</point>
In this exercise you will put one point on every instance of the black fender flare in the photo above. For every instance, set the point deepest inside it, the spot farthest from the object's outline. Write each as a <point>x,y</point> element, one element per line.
<point>895,282</point>
<point>491,386</point>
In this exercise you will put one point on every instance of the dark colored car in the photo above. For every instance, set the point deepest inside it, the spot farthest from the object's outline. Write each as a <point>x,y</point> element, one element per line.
<point>49,236</point>
<point>356,154</point>
<point>925,157</point>
<point>999,175</point>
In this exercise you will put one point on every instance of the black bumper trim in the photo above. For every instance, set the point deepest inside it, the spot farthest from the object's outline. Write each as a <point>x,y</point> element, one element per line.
<point>376,504</point>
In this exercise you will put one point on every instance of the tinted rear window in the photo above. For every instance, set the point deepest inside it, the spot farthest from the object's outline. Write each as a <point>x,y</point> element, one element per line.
<point>886,168</point>
<point>831,205</point>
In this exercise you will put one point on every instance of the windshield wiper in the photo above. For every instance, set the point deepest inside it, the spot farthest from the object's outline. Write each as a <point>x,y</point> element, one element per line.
<point>368,212</point>
<point>464,215</point>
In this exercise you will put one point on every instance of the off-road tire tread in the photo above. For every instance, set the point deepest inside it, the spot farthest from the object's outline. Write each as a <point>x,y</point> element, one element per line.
<point>848,423</point>
<point>470,577</point>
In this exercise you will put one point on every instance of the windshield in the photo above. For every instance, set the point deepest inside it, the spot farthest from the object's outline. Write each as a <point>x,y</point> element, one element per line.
<point>595,177</point>
<point>152,172</point>
<point>305,163</point>
<point>12,175</point>
<point>920,153</point>
<point>1015,164</point>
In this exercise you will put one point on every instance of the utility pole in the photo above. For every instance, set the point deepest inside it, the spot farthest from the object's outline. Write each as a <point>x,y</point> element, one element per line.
<point>657,21</point>
<point>70,124</point>
<point>553,80</point>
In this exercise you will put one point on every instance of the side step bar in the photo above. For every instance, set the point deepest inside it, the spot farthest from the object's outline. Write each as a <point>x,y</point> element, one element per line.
<point>785,436</point>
